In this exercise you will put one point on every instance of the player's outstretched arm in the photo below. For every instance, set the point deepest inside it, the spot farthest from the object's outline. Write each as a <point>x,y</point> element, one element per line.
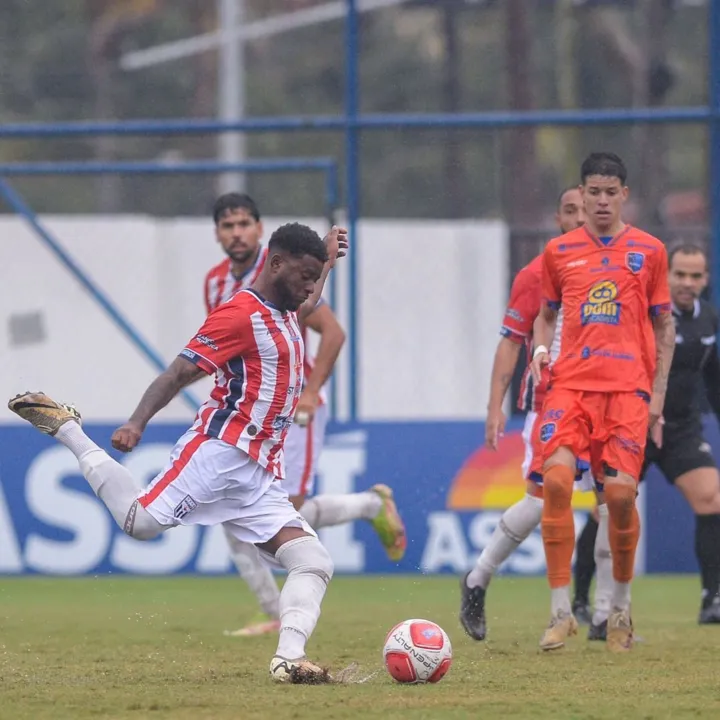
<point>506,357</point>
<point>664,328</point>
<point>161,391</point>
<point>336,242</point>
<point>543,333</point>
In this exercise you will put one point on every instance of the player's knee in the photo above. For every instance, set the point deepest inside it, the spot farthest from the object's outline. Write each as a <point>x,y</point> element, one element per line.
<point>306,555</point>
<point>558,485</point>
<point>620,499</point>
<point>706,502</point>
<point>140,524</point>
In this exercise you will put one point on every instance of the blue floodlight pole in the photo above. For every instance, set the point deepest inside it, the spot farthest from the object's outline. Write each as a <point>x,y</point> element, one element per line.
<point>352,188</point>
<point>714,141</point>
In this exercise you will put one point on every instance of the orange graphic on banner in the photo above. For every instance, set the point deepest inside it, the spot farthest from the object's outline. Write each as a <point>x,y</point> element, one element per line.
<point>494,481</point>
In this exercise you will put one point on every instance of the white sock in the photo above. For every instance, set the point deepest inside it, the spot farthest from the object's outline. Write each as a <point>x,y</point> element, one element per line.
<point>621,596</point>
<point>326,510</point>
<point>73,437</point>
<point>560,600</point>
<point>111,482</point>
<point>255,573</point>
<point>604,582</point>
<point>515,525</point>
<point>309,569</point>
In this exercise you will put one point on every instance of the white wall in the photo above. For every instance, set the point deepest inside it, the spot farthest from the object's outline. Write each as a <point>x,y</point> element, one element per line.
<point>431,296</point>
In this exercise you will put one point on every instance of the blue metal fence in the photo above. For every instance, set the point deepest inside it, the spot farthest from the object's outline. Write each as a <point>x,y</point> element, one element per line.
<point>15,201</point>
<point>352,122</point>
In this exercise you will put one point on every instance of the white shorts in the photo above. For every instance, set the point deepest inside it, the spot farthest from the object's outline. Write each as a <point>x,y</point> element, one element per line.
<point>584,483</point>
<point>208,482</point>
<point>303,446</point>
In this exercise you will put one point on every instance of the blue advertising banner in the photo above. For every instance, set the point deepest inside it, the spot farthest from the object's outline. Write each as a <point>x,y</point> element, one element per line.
<point>450,490</point>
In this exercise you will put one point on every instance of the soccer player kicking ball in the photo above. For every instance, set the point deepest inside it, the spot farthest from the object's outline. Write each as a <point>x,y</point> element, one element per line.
<point>524,516</point>
<point>238,229</point>
<point>607,385</point>
<point>226,467</point>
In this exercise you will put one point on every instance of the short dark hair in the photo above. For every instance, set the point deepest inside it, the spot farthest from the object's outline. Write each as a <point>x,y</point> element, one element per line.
<point>297,240</point>
<point>562,194</point>
<point>605,164</point>
<point>235,201</point>
<point>686,248</point>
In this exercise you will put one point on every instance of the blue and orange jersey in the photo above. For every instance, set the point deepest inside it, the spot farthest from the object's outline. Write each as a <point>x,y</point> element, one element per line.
<point>609,289</point>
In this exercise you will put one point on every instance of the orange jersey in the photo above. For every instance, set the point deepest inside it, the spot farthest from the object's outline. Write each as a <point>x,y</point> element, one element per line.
<point>608,292</point>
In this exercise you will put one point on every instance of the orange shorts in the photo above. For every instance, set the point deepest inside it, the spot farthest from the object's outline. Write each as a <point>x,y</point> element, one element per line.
<point>610,428</point>
<point>533,465</point>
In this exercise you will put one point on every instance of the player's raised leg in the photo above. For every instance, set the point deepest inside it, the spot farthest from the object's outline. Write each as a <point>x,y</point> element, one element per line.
<point>109,480</point>
<point>377,506</point>
<point>303,447</point>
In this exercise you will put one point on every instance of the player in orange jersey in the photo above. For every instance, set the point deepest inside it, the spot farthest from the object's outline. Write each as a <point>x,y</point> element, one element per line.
<point>607,385</point>
<point>518,521</point>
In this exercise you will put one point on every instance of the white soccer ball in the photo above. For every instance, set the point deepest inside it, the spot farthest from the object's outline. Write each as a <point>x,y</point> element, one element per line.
<point>417,651</point>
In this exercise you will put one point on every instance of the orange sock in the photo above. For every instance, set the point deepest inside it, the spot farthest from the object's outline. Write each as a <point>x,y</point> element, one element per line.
<point>558,525</point>
<point>624,529</point>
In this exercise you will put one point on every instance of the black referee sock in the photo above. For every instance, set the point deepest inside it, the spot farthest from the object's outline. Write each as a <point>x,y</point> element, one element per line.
<point>585,561</point>
<point>707,550</point>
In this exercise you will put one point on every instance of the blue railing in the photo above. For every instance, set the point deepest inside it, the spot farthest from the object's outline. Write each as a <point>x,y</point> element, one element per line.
<point>15,201</point>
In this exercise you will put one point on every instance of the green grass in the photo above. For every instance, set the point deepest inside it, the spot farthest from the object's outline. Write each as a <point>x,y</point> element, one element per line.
<point>153,648</point>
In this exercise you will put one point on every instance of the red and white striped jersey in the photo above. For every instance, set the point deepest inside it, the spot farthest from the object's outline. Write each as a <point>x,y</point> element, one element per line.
<point>221,284</point>
<point>523,307</point>
<point>256,352</point>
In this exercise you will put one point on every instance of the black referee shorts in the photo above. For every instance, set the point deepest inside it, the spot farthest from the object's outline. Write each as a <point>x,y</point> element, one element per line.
<point>684,449</point>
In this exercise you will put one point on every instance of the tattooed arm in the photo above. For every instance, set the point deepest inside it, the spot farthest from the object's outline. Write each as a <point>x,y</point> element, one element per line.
<point>164,388</point>
<point>664,328</point>
<point>161,391</point>
<point>506,357</point>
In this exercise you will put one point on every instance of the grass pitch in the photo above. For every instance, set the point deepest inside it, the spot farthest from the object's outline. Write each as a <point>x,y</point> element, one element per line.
<point>153,648</point>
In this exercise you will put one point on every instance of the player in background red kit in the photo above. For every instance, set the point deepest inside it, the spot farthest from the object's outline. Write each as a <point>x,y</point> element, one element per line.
<point>239,229</point>
<point>608,383</point>
<point>518,521</point>
<point>226,468</point>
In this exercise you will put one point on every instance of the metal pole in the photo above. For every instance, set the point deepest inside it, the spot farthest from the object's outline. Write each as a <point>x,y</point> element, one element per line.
<point>714,140</point>
<point>352,189</point>
<point>231,91</point>
<point>267,27</point>
<point>332,199</point>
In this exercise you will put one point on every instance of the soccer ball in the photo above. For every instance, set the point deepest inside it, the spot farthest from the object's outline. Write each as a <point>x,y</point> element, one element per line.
<point>417,651</point>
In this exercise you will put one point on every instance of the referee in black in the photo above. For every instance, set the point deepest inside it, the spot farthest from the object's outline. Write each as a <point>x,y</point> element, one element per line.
<point>685,457</point>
